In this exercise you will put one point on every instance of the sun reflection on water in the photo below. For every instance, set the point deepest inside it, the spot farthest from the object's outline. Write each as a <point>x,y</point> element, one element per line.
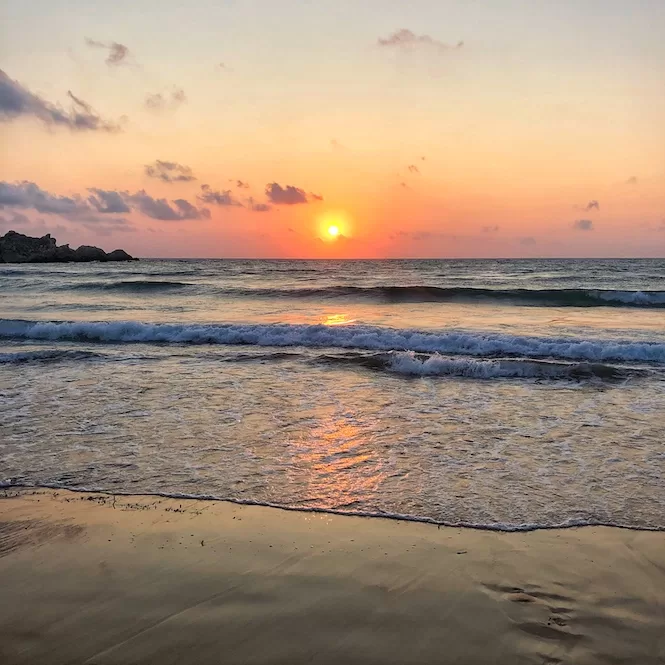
<point>336,464</point>
<point>337,320</point>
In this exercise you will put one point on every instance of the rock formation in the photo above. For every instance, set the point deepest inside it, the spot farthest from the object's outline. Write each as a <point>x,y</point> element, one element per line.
<point>18,248</point>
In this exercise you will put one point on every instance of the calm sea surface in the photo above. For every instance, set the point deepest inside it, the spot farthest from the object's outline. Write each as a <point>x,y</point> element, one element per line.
<point>503,394</point>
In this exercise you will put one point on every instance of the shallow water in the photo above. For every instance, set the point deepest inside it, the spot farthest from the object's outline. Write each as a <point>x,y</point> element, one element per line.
<point>501,394</point>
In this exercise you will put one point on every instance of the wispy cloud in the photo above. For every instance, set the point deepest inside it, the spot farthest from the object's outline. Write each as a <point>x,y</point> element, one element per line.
<point>217,197</point>
<point>592,205</point>
<point>527,241</point>
<point>633,180</point>
<point>17,101</point>
<point>118,54</point>
<point>96,208</point>
<point>169,171</point>
<point>107,201</point>
<point>164,101</point>
<point>162,210</point>
<point>13,219</point>
<point>413,169</point>
<point>91,212</point>
<point>27,194</point>
<point>407,39</point>
<point>258,207</point>
<point>583,225</point>
<point>288,195</point>
<point>242,185</point>
<point>492,228</point>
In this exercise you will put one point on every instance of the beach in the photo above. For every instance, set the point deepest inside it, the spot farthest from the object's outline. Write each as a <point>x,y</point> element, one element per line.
<point>95,578</point>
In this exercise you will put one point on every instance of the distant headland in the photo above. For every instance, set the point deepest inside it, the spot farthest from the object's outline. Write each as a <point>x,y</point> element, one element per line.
<point>18,248</point>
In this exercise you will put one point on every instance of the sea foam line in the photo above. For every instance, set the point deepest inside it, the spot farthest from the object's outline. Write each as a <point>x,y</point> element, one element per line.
<point>506,527</point>
<point>346,337</point>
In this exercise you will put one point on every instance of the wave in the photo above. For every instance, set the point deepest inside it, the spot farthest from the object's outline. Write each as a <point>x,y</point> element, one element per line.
<point>49,355</point>
<point>414,364</point>
<point>423,293</point>
<point>509,527</point>
<point>133,285</point>
<point>403,363</point>
<point>369,338</point>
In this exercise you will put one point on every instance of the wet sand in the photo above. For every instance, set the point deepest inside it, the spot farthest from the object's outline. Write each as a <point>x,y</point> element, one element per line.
<point>88,578</point>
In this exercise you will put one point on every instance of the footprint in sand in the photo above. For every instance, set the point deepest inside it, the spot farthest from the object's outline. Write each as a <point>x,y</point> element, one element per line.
<point>555,627</point>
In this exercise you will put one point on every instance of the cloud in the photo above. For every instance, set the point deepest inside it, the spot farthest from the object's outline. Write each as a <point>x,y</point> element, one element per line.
<point>583,225</point>
<point>413,169</point>
<point>242,185</point>
<point>163,101</point>
<point>632,180</point>
<point>117,53</point>
<point>403,184</point>
<point>17,101</point>
<point>527,241</point>
<point>220,198</point>
<point>94,211</point>
<point>406,39</point>
<point>29,195</point>
<point>169,171</point>
<point>14,219</point>
<point>288,195</point>
<point>160,208</point>
<point>107,201</point>
<point>254,206</point>
<point>316,197</point>
<point>260,207</point>
<point>106,226</point>
<point>493,228</point>
<point>592,205</point>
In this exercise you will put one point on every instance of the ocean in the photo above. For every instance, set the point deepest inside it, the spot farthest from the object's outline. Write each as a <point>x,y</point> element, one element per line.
<point>498,394</point>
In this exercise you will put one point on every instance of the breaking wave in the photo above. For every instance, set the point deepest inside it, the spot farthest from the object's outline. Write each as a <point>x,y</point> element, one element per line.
<point>369,338</point>
<point>414,364</point>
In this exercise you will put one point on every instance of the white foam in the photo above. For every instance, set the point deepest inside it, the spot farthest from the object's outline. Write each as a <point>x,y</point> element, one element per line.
<point>409,363</point>
<point>631,297</point>
<point>346,337</point>
<point>508,527</point>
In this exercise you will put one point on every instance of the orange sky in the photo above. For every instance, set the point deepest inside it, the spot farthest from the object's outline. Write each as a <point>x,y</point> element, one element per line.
<point>438,129</point>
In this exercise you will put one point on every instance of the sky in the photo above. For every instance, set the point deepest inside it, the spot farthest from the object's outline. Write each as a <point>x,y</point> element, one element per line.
<point>253,128</point>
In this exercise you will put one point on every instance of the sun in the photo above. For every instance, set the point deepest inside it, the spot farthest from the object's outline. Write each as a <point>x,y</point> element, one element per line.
<point>333,226</point>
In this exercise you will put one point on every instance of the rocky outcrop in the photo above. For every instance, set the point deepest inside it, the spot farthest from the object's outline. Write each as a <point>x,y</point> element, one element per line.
<point>89,253</point>
<point>119,255</point>
<point>18,248</point>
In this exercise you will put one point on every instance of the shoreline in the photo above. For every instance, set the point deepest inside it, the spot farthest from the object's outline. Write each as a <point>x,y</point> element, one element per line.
<point>104,578</point>
<point>498,528</point>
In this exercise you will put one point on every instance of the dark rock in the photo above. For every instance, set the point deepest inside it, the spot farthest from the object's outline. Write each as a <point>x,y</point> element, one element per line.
<point>89,253</point>
<point>119,255</point>
<point>18,248</point>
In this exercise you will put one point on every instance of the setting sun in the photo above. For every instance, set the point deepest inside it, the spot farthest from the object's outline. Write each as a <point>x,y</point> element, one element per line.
<point>333,231</point>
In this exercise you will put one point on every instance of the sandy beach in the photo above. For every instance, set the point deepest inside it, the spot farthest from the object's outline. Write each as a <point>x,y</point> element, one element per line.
<point>89,578</point>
